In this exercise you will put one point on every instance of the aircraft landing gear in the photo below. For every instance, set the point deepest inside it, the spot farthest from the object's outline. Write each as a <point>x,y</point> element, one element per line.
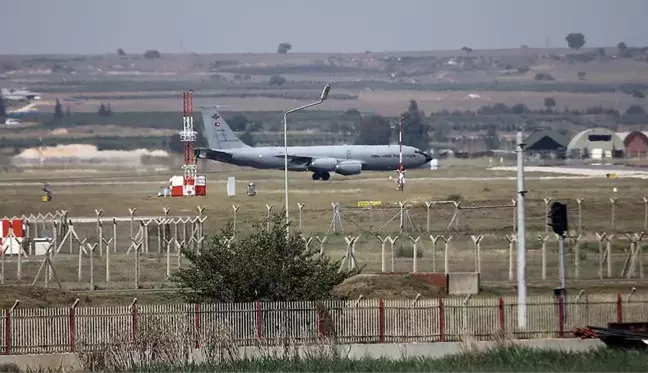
<point>324,175</point>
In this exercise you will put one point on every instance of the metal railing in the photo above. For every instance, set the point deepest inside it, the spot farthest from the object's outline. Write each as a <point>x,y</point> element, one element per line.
<point>75,329</point>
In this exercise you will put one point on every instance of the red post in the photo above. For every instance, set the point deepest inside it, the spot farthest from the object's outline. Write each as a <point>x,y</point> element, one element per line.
<point>72,321</point>
<point>619,309</point>
<point>501,315</point>
<point>381,321</point>
<point>134,321</point>
<point>7,332</point>
<point>197,323</point>
<point>320,323</point>
<point>259,318</point>
<point>561,317</point>
<point>441,320</point>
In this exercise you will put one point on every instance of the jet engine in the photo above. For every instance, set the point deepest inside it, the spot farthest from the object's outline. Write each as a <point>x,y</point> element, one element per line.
<point>324,164</point>
<point>348,168</point>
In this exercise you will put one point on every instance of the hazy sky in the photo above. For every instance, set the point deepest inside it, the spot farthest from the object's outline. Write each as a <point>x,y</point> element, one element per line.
<point>221,26</point>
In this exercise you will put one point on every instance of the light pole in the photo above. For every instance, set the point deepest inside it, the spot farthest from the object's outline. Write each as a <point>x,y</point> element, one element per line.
<point>323,97</point>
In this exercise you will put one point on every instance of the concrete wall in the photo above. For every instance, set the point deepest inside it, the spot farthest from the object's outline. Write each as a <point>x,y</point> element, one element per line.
<point>71,361</point>
<point>460,283</point>
<point>68,362</point>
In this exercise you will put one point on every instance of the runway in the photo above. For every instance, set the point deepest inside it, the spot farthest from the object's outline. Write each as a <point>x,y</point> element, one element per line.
<point>568,173</point>
<point>159,183</point>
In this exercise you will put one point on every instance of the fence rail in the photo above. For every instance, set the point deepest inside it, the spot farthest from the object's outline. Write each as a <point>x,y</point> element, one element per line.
<point>360,321</point>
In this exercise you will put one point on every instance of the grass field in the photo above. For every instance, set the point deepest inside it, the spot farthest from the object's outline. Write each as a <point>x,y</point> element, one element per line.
<point>114,193</point>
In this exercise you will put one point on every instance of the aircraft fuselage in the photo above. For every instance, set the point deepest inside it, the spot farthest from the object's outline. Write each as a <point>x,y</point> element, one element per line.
<point>372,157</point>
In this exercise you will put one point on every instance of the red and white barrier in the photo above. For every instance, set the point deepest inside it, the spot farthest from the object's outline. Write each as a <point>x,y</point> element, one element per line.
<point>12,233</point>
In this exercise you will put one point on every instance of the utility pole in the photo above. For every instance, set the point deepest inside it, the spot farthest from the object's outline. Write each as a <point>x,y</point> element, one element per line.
<point>521,236</point>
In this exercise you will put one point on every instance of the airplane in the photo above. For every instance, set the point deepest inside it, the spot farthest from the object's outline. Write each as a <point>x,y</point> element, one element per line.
<point>21,94</point>
<point>224,146</point>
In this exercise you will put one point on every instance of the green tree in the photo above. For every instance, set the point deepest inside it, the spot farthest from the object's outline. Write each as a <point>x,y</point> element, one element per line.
<point>3,109</point>
<point>152,54</point>
<point>283,48</point>
<point>549,103</point>
<point>520,109</point>
<point>415,128</point>
<point>276,80</point>
<point>103,110</point>
<point>238,122</point>
<point>58,110</point>
<point>263,265</point>
<point>491,139</point>
<point>575,40</point>
<point>623,48</point>
<point>247,138</point>
<point>373,130</point>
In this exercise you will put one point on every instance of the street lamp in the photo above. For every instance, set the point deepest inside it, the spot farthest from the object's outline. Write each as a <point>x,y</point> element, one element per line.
<point>323,97</point>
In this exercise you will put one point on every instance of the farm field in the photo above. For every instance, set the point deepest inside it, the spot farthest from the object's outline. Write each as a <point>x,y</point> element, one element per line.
<point>387,103</point>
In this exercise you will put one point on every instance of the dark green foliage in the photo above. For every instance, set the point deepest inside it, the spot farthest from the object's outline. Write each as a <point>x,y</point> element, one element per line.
<point>263,265</point>
<point>492,139</point>
<point>58,110</point>
<point>152,54</point>
<point>283,48</point>
<point>104,110</point>
<point>238,122</point>
<point>622,47</point>
<point>277,80</point>
<point>575,40</point>
<point>550,102</point>
<point>247,138</point>
<point>544,77</point>
<point>415,127</point>
<point>373,130</point>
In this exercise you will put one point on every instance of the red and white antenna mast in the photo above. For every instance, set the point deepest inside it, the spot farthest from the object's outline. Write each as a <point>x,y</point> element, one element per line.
<point>188,137</point>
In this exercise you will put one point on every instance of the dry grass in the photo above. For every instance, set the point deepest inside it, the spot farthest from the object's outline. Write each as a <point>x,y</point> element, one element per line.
<point>423,185</point>
<point>84,132</point>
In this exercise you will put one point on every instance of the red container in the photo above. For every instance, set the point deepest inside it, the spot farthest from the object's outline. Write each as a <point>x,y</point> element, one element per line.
<point>177,191</point>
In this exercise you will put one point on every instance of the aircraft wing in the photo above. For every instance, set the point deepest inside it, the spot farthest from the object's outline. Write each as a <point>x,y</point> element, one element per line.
<point>217,155</point>
<point>298,160</point>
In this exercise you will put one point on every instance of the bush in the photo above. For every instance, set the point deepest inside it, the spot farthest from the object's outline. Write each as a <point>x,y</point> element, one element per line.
<point>265,265</point>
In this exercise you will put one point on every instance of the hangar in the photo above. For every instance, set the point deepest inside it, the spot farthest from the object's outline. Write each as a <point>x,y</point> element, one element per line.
<point>595,143</point>
<point>546,142</point>
<point>635,143</point>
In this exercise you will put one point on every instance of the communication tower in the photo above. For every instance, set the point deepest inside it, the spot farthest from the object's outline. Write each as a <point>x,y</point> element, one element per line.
<point>188,138</point>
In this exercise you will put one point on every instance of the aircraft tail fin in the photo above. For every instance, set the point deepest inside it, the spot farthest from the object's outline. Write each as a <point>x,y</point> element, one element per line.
<point>218,133</point>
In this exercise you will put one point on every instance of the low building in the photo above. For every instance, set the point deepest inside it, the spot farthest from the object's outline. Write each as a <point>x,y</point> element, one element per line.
<point>596,143</point>
<point>635,143</point>
<point>546,143</point>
